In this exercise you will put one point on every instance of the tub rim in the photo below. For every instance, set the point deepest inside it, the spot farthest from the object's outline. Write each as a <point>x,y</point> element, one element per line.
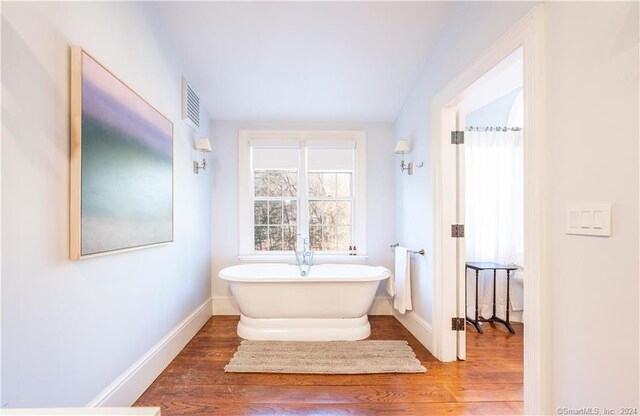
<point>382,273</point>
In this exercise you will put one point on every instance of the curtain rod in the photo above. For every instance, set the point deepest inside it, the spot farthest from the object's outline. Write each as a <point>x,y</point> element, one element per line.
<point>497,128</point>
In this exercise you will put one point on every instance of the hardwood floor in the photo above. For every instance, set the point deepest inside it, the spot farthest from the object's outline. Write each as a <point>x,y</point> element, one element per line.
<point>488,383</point>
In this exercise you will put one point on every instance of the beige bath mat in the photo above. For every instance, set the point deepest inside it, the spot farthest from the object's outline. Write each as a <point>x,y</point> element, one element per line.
<point>335,357</point>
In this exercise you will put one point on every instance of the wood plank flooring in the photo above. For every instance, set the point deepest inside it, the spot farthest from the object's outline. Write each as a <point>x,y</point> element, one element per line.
<point>488,383</point>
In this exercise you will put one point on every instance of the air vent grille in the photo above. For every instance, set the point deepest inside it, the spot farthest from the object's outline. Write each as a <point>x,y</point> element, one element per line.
<point>190,105</point>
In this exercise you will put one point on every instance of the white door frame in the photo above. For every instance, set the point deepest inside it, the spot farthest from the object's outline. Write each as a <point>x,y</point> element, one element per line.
<point>528,34</point>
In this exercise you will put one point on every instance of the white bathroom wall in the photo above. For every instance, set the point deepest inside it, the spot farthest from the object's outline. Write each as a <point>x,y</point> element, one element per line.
<point>592,69</point>
<point>381,164</point>
<point>70,328</point>
<point>590,290</point>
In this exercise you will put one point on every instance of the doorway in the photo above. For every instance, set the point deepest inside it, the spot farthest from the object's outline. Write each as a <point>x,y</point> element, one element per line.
<point>490,199</point>
<point>448,166</point>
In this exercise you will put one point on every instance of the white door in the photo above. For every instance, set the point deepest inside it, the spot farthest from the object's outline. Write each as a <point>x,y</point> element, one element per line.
<point>460,241</point>
<point>452,248</point>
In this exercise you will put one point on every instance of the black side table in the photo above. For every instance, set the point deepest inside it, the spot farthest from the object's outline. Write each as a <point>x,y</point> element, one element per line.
<point>478,266</point>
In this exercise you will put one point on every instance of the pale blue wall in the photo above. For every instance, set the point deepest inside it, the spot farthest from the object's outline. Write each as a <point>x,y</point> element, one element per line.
<point>496,113</point>
<point>70,328</point>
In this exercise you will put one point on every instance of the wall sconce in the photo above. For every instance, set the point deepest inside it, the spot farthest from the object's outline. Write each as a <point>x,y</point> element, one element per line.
<point>402,148</point>
<point>204,146</point>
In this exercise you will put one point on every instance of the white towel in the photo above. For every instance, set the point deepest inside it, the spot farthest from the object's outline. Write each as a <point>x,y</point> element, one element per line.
<point>399,285</point>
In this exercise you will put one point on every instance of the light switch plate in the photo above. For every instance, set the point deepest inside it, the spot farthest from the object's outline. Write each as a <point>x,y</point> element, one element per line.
<point>588,219</point>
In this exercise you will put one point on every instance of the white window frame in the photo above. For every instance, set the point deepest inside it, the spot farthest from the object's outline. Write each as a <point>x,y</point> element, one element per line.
<point>302,139</point>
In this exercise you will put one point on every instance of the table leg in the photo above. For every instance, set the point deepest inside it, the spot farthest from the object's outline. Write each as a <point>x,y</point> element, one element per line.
<point>477,279</point>
<point>494,294</point>
<point>473,322</point>
<point>465,291</point>
<point>508,324</point>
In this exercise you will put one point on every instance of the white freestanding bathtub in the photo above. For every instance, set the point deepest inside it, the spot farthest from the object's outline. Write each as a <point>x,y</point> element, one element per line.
<point>330,304</point>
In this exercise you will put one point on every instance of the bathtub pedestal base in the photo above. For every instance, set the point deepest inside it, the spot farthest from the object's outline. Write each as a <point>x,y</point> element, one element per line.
<point>304,329</point>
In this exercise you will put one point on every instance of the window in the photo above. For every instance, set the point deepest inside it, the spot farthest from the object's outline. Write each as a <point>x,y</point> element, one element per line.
<point>301,185</point>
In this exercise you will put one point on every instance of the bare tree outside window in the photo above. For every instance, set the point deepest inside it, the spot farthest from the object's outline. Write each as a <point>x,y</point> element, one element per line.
<point>275,209</point>
<point>330,207</point>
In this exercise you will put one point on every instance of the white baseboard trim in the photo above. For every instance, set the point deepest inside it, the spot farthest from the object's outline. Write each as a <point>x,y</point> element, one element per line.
<point>226,305</point>
<point>126,389</point>
<point>418,327</point>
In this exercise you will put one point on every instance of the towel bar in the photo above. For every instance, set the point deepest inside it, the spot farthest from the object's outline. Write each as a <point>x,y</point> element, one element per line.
<point>420,252</point>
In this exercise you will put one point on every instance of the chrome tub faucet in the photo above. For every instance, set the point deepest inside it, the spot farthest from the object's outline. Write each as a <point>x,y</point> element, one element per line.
<point>304,258</point>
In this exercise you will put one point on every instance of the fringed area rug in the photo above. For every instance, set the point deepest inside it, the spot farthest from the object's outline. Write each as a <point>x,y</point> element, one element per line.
<point>334,357</point>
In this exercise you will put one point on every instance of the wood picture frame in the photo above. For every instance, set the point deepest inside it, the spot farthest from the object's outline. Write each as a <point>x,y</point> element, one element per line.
<point>121,165</point>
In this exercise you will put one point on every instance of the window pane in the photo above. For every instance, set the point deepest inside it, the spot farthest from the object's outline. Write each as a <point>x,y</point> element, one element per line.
<point>290,183</point>
<point>329,212</point>
<point>290,212</point>
<point>275,212</point>
<point>329,184</point>
<point>276,183</point>
<point>322,185</point>
<point>260,212</point>
<point>260,184</point>
<point>275,238</point>
<point>315,212</point>
<point>261,238</point>
<point>343,213</point>
<point>315,184</point>
<point>344,185</point>
<point>328,238</point>
<point>343,237</point>
<point>289,238</point>
<point>315,237</point>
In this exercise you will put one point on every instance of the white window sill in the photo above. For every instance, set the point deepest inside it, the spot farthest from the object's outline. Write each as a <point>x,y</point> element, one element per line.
<point>318,258</point>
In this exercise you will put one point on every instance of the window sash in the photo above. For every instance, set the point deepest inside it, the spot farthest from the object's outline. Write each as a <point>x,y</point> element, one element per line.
<point>268,198</point>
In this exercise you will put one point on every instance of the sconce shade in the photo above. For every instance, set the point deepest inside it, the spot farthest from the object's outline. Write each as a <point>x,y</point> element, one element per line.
<point>402,147</point>
<point>204,145</point>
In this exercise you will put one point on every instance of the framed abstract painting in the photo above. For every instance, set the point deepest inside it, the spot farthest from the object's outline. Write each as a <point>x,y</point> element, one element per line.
<point>122,180</point>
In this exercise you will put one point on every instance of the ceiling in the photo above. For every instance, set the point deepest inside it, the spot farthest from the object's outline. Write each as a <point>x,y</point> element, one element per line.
<point>304,61</point>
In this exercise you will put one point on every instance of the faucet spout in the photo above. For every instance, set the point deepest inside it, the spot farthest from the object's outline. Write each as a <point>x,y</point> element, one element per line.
<point>304,257</point>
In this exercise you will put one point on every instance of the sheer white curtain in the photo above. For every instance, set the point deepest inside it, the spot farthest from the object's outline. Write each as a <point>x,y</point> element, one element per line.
<point>494,211</point>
